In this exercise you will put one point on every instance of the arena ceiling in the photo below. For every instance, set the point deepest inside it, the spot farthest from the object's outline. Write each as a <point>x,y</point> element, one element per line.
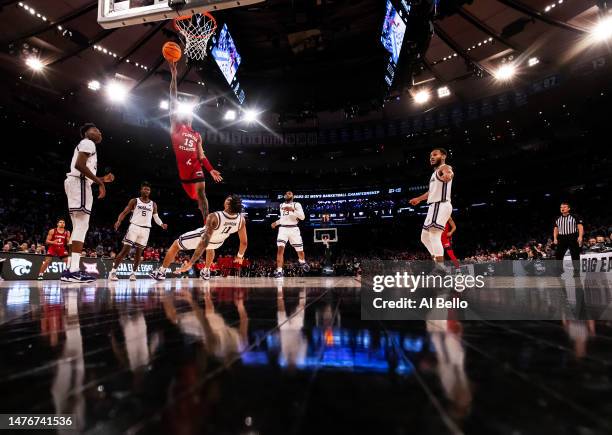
<point>339,69</point>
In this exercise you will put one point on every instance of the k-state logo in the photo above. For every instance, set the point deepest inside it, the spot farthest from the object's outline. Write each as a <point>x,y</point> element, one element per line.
<point>91,268</point>
<point>21,266</point>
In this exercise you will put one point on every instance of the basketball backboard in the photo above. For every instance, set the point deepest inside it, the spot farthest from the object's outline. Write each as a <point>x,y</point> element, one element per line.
<point>118,13</point>
<point>325,234</point>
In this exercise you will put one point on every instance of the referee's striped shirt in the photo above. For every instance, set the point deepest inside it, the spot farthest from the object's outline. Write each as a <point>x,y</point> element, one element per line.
<point>568,224</point>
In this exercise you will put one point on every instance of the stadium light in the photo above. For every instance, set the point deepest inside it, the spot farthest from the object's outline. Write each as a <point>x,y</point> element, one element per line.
<point>94,85</point>
<point>164,105</point>
<point>505,72</point>
<point>602,31</point>
<point>533,61</point>
<point>422,96</point>
<point>443,92</point>
<point>116,92</point>
<point>230,115</point>
<point>35,64</point>
<point>250,116</point>
<point>185,108</point>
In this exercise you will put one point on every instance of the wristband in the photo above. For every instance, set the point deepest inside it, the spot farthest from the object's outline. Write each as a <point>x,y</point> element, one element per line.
<point>239,255</point>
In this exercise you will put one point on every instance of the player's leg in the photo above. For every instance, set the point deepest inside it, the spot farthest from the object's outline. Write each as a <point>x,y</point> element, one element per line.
<point>137,258</point>
<point>205,272</point>
<point>426,241</point>
<point>44,266</point>
<point>201,198</point>
<point>441,213</point>
<point>80,200</point>
<point>80,225</point>
<point>125,250</point>
<point>448,250</point>
<point>295,239</point>
<point>281,242</point>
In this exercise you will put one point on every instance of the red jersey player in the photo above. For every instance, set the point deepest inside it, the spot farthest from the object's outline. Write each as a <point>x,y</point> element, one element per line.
<point>58,240</point>
<point>447,244</point>
<point>187,146</point>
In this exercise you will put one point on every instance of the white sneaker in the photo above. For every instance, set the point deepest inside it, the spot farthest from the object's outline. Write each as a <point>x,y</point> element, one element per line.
<point>113,276</point>
<point>205,274</point>
<point>133,277</point>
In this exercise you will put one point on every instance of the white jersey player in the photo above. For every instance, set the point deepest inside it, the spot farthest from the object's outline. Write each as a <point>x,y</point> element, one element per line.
<point>438,197</point>
<point>291,213</point>
<point>219,226</point>
<point>82,175</point>
<point>143,210</point>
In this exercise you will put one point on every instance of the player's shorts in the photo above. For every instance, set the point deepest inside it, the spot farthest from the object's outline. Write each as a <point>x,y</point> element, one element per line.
<point>137,236</point>
<point>291,235</point>
<point>190,240</point>
<point>190,174</point>
<point>78,191</point>
<point>438,215</point>
<point>57,251</point>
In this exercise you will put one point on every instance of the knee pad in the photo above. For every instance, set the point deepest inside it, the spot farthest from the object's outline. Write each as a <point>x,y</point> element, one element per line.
<point>80,225</point>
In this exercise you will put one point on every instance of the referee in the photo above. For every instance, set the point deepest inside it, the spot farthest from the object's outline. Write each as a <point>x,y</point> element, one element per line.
<point>567,234</point>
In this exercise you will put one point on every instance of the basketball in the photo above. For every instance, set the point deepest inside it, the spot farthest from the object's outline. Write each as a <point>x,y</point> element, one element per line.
<point>171,51</point>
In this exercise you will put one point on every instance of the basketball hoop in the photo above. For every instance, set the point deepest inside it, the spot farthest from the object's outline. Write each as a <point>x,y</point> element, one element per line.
<point>196,30</point>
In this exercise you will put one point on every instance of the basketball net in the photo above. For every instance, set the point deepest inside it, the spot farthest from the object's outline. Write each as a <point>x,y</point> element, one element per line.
<point>195,31</point>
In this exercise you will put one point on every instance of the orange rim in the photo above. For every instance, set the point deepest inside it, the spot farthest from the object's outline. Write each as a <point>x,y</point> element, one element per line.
<point>188,17</point>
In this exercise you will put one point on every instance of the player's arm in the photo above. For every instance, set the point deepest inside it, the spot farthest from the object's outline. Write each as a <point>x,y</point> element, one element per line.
<point>173,94</point>
<point>81,166</point>
<point>157,219</point>
<point>580,233</point>
<point>127,210</point>
<point>453,227</point>
<point>420,198</point>
<point>211,223</point>
<point>445,173</point>
<point>242,234</point>
<point>68,235</point>
<point>555,234</point>
<point>299,211</point>
<point>216,175</point>
<point>49,240</point>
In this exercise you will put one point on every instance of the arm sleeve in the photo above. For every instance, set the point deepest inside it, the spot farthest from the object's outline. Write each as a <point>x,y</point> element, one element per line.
<point>157,219</point>
<point>206,164</point>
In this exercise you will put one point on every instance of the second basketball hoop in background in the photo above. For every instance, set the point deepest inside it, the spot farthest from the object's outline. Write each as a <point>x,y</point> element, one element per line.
<point>172,51</point>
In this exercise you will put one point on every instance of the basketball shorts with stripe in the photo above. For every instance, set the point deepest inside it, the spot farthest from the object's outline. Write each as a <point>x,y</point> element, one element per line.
<point>437,215</point>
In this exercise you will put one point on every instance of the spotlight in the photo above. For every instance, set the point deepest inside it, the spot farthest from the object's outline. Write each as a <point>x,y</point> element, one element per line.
<point>443,91</point>
<point>164,105</point>
<point>422,97</point>
<point>94,85</point>
<point>116,92</point>
<point>505,72</point>
<point>602,30</point>
<point>249,116</point>
<point>185,108</point>
<point>35,64</point>
<point>533,61</point>
<point>230,115</point>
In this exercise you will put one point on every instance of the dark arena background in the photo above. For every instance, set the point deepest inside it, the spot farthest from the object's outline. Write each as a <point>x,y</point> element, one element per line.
<point>349,105</point>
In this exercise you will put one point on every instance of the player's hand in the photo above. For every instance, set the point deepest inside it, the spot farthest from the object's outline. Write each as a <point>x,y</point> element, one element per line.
<point>117,225</point>
<point>555,242</point>
<point>184,268</point>
<point>165,226</point>
<point>274,225</point>
<point>238,260</point>
<point>108,178</point>
<point>101,191</point>
<point>446,177</point>
<point>216,175</point>
<point>415,201</point>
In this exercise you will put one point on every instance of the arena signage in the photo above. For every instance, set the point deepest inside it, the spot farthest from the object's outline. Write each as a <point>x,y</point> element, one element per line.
<point>23,266</point>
